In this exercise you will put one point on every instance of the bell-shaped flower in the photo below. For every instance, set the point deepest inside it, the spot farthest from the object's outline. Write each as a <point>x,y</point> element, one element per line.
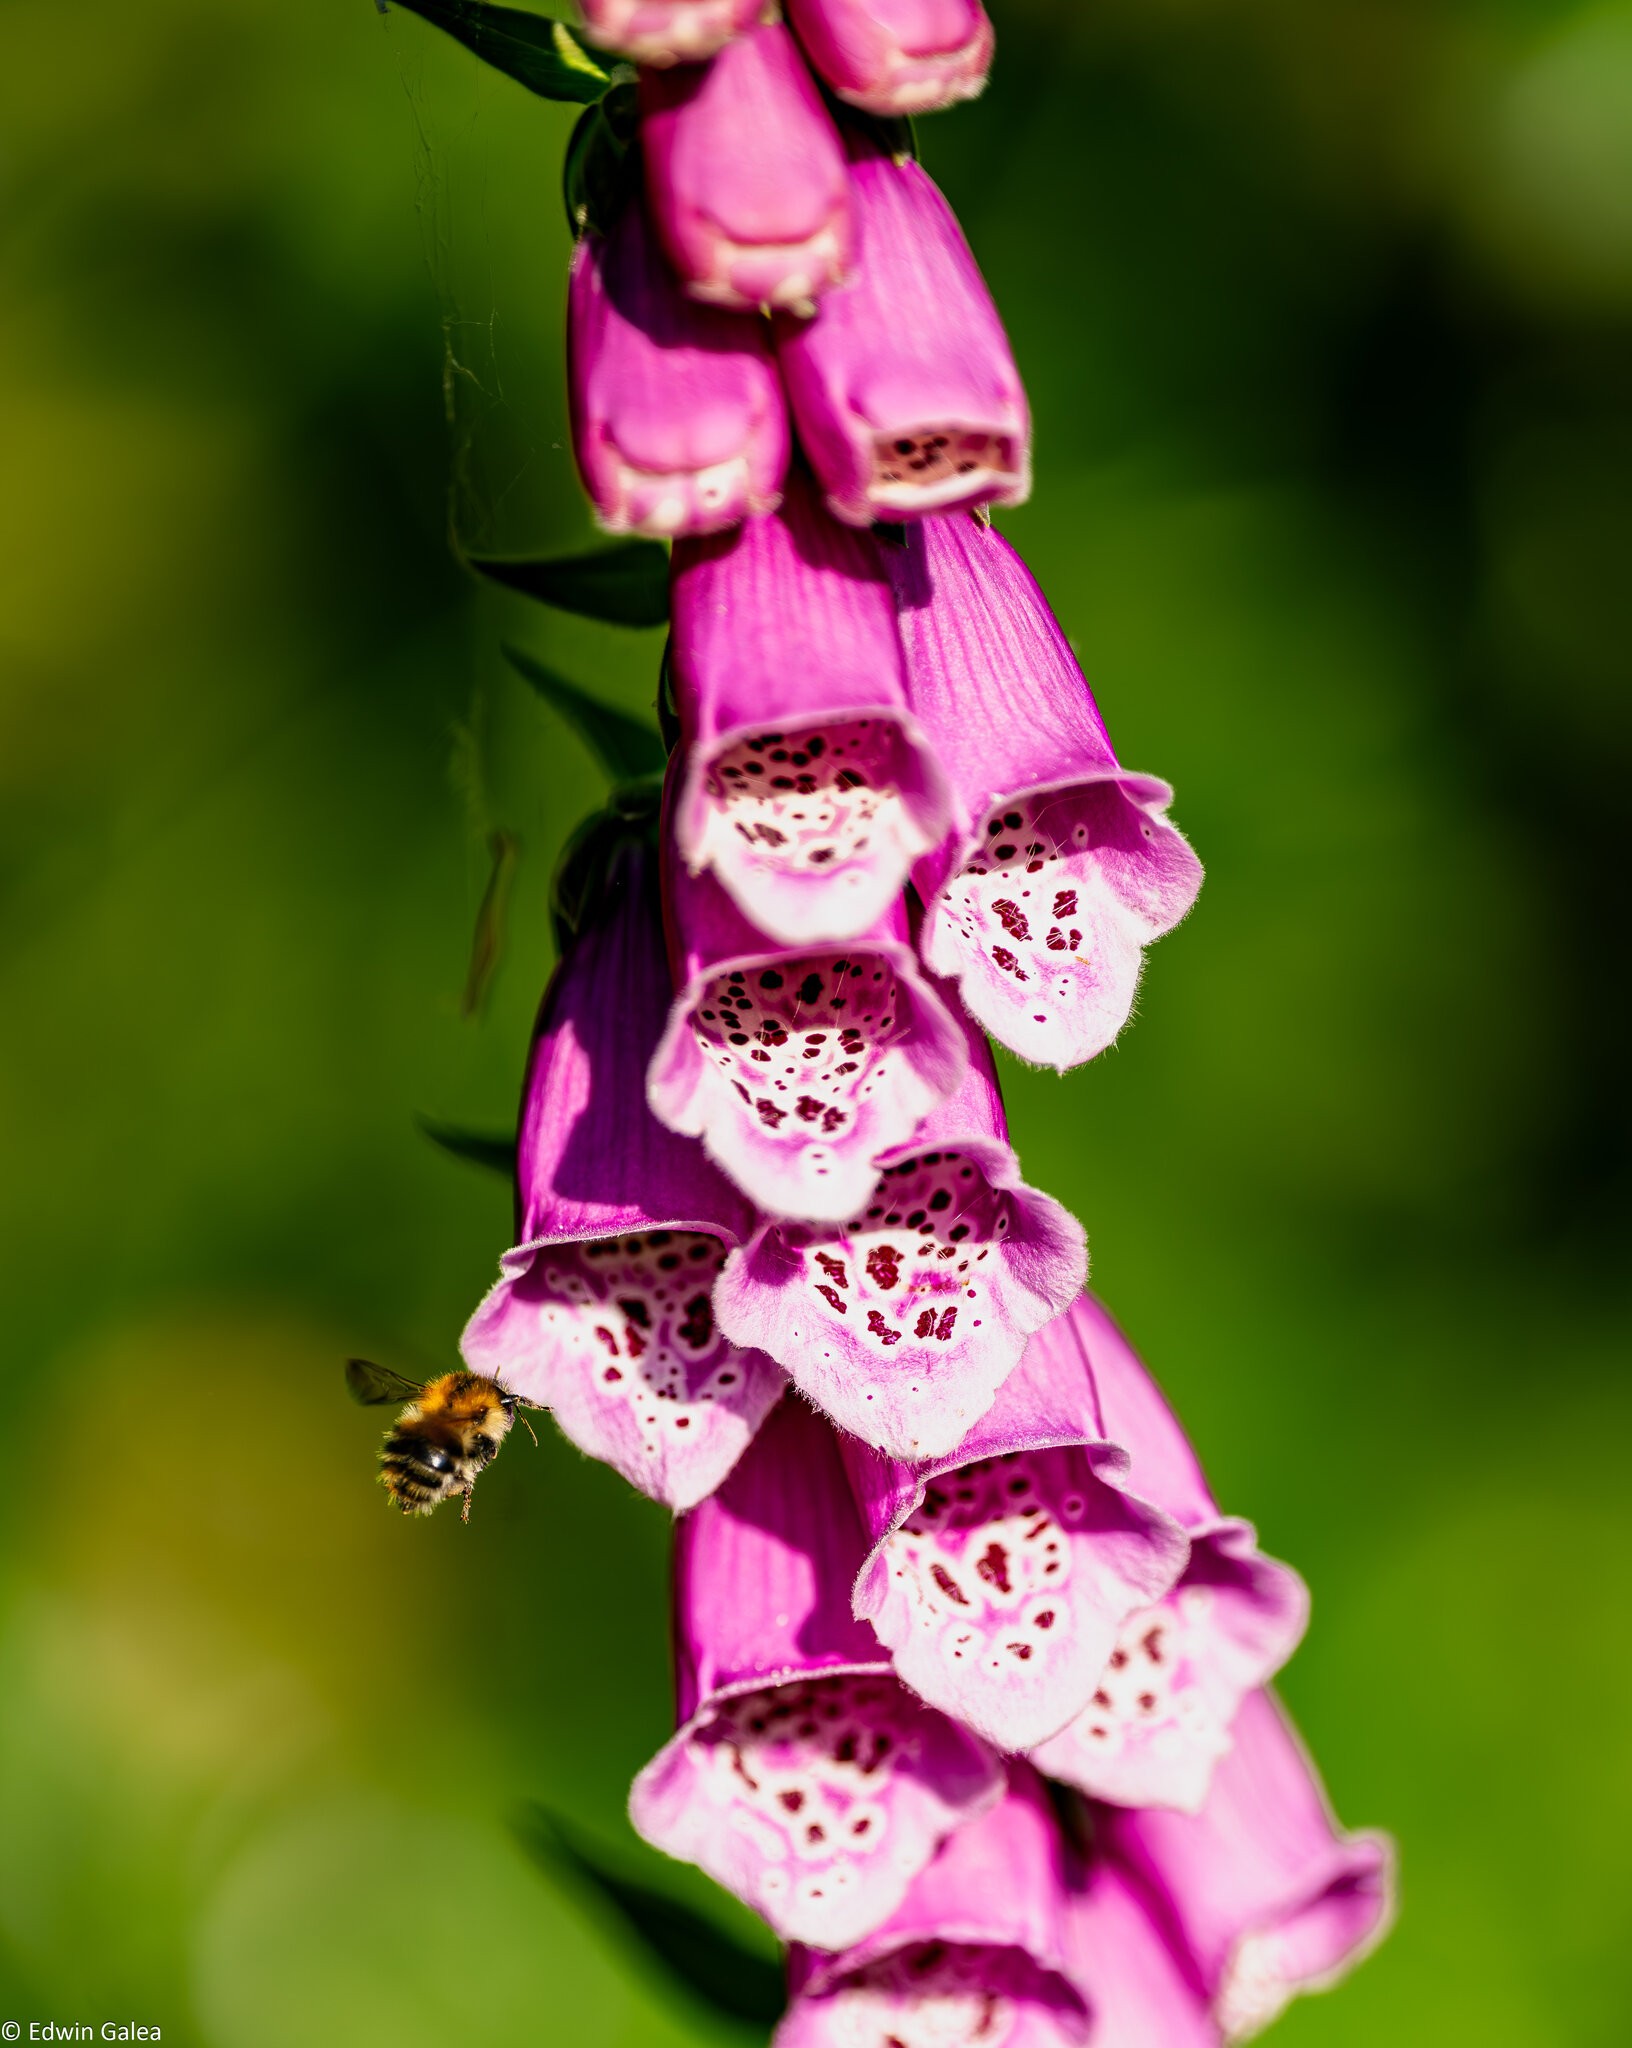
<point>903,387</point>
<point>897,56</point>
<point>1065,865</point>
<point>806,786</point>
<point>1159,1717</point>
<point>1138,1983</point>
<point>975,1953</point>
<point>678,421</point>
<point>798,1067</point>
<point>804,1778</point>
<point>903,1321</point>
<point>745,175</point>
<point>1002,1574</point>
<point>1268,1895</point>
<point>604,1313</point>
<point>666,32</point>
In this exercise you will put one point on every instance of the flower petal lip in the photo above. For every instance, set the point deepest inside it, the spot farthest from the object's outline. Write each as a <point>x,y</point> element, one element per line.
<point>903,1322</point>
<point>604,1309</point>
<point>903,387</point>
<point>664,32</point>
<point>678,420</point>
<point>1139,1986</point>
<point>897,56</point>
<point>806,786</point>
<point>798,1067</point>
<point>1161,1715</point>
<point>745,175</point>
<point>1269,1896</point>
<point>1007,1620</point>
<point>789,1719</point>
<point>985,1919</point>
<point>1064,865</point>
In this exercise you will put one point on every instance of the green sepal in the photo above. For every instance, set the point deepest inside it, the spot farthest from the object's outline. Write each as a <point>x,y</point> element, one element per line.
<point>589,868</point>
<point>626,584</point>
<point>625,747</point>
<point>479,1148</point>
<point>598,167</point>
<point>541,54</point>
<point>732,1981</point>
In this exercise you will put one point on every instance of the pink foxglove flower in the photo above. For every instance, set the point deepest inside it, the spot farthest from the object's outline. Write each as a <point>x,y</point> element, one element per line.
<point>1269,1896</point>
<point>1159,1717</point>
<point>1067,866</point>
<point>903,387</point>
<point>1001,1575</point>
<point>897,56</point>
<point>666,31</point>
<point>806,786</point>
<point>677,416</point>
<point>799,1066</point>
<point>974,1954</point>
<point>903,1321</point>
<point>604,1313</point>
<point>745,175</point>
<point>1140,1988</point>
<point>804,1777</point>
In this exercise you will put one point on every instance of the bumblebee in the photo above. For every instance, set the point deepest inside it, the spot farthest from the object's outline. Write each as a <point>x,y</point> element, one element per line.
<point>448,1433</point>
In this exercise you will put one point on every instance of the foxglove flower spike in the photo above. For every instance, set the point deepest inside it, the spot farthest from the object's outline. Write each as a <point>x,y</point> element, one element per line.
<point>897,56</point>
<point>1067,865</point>
<point>804,1777</point>
<point>604,1313</point>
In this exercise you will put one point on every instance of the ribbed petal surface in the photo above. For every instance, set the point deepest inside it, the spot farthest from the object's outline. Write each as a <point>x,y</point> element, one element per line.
<point>974,1954</point>
<point>1067,866</point>
<point>1001,1575</point>
<point>903,1322</point>
<point>1269,1896</point>
<point>745,175</point>
<point>1141,1991</point>
<point>806,787</point>
<point>798,1067</point>
<point>897,56</point>
<point>804,1777</point>
<point>1159,1717</point>
<point>666,32</point>
<point>677,416</point>
<point>903,388</point>
<point>604,1313</point>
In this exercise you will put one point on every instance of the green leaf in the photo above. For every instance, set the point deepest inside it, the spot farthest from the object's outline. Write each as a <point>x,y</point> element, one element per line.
<point>627,748</point>
<point>535,51</point>
<point>480,1148</point>
<point>730,1979</point>
<point>487,942</point>
<point>626,584</point>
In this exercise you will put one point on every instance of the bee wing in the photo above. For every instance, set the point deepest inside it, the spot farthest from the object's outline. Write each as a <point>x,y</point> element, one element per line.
<point>374,1385</point>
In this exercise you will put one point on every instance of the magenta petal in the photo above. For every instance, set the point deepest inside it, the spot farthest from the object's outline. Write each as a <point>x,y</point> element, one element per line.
<point>799,1068</point>
<point>903,388</point>
<point>745,175</point>
<point>604,1313</point>
<point>804,1778</point>
<point>806,787</point>
<point>1001,1575</point>
<point>1141,1992</point>
<point>666,31</point>
<point>897,56</point>
<point>1270,1897</point>
<point>973,1954</point>
<point>1160,1716</point>
<point>903,1322</point>
<point>677,416</point>
<point>1068,866</point>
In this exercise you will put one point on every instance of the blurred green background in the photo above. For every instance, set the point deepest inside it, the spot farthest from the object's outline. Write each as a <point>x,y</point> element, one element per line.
<point>1324,312</point>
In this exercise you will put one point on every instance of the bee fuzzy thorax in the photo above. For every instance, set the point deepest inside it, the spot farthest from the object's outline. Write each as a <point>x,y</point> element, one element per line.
<point>442,1440</point>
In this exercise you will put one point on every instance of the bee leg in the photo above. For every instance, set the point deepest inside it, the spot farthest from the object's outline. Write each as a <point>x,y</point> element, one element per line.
<point>464,1515</point>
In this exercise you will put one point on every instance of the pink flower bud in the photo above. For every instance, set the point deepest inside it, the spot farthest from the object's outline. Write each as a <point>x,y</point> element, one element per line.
<point>605,1310</point>
<point>903,388</point>
<point>745,175</point>
<point>897,56</point>
<point>677,416</point>
<point>666,31</point>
